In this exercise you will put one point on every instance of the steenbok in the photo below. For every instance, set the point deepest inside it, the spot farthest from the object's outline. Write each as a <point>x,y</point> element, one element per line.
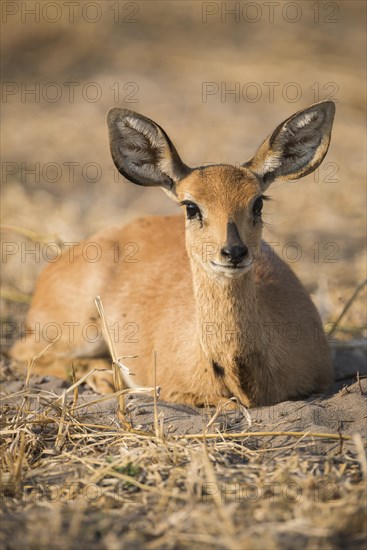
<point>202,290</point>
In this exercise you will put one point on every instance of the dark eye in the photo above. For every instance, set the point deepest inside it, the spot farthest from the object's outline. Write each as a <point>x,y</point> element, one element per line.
<point>257,207</point>
<point>192,210</point>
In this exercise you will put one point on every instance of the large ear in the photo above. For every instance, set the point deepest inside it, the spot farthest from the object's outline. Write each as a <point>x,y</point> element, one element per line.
<point>296,147</point>
<point>142,151</point>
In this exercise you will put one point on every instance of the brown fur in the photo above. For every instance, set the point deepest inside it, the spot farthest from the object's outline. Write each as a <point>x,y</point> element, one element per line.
<point>256,336</point>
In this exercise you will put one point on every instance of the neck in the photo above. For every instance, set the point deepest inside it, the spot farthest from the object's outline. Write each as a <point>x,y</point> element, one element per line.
<point>229,330</point>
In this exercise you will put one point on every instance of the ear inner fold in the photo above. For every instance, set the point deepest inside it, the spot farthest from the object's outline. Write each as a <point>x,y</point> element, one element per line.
<point>142,151</point>
<point>297,146</point>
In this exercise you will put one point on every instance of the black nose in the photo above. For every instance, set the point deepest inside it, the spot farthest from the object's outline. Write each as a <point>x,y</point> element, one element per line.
<point>235,254</point>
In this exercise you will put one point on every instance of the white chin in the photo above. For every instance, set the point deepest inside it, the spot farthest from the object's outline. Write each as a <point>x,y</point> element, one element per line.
<point>230,272</point>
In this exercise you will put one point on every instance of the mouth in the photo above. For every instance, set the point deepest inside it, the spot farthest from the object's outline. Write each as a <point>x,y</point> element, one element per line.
<point>231,270</point>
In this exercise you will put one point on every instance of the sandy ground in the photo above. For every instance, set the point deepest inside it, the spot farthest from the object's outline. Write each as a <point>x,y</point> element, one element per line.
<point>288,476</point>
<point>341,410</point>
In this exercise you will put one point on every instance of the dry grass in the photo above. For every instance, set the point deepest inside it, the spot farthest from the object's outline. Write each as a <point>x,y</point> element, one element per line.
<point>97,485</point>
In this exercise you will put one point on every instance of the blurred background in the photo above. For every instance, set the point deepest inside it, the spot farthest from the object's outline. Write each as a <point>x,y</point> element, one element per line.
<point>218,77</point>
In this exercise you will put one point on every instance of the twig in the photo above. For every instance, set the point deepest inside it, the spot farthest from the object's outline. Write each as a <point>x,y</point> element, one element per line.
<point>262,434</point>
<point>359,383</point>
<point>117,378</point>
<point>361,455</point>
<point>222,406</point>
<point>19,463</point>
<point>15,296</point>
<point>334,327</point>
<point>340,438</point>
<point>32,362</point>
<point>76,389</point>
<point>106,398</point>
<point>59,438</point>
<point>32,235</point>
<point>158,431</point>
